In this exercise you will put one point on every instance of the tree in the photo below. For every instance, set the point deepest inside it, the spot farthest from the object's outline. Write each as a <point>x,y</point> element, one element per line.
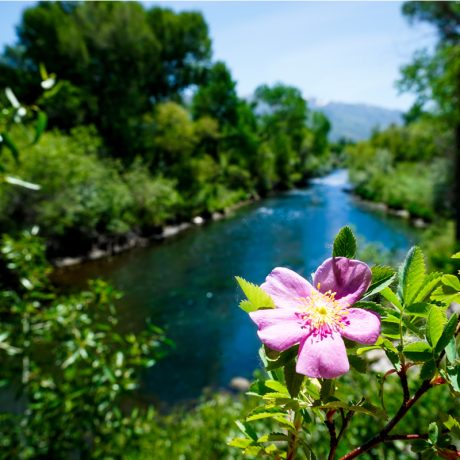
<point>121,58</point>
<point>217,96</point>
<point>435,77</point>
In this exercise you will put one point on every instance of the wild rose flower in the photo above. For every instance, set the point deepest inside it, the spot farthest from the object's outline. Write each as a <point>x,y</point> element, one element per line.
<point>317,317</point>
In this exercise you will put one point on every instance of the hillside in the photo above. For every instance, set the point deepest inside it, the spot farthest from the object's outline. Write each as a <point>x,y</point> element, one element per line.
<point>356,121</point>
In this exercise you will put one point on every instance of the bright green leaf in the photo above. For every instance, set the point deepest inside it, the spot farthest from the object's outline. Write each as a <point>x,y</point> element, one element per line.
<point>447,334</point>
<point>435,324</point>
<point>411,275</point>
<point>418,351</point>
<point>257,297</point>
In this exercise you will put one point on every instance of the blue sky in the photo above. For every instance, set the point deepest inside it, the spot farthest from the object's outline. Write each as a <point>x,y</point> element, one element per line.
<point>340,51</point>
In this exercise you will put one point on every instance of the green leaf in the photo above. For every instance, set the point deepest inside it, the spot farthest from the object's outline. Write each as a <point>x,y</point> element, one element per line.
<point>428,369</point>
<point>451,350</point>
<point>456,255</point>
<point>293,379</point>
<point>257,297</point>
<point>389,295</point>
<point>435,325</point>
<point>283,358</point>
<point>411,275</point>
<point>453,425</point>
<point>241,443</point>
<point>371,306</point>
<point>277,386</point>
<point>430,282</point>
<point>344,243</point>
<point>358,363</point>
<point>418,309</point>
<point>418,351</point>
<point>392,353</point>
<point>382,277</point>
<point>366,408</point>
<point>447,334</point>
<point>454,377</point>
<point>6,139</point>
<point>327,389</point>
<point>447,293</point>
<point>433,432</point>
<point>42,121</point>
<point>247,430</point>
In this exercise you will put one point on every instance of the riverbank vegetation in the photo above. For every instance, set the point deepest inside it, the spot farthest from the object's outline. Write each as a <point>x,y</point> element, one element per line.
<point>152,126</point>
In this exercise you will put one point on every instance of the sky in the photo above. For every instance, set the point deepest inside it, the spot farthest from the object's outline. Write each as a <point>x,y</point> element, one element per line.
<point>332,51</point>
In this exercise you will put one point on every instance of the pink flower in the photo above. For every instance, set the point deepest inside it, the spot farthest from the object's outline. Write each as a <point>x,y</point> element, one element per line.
<point>318,317</point>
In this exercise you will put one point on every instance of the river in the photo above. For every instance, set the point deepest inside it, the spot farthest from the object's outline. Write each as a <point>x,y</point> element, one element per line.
<point>186,285</point>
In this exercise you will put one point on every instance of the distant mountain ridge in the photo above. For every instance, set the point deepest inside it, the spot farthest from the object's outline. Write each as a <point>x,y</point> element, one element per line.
<point>356,121</point>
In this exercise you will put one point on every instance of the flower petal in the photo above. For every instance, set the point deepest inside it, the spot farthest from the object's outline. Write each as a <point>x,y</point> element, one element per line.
<point>363,327</point>
<point>286,287</point>
<point>279,328</point>
<point>348,278</point>
<point>323,357</point>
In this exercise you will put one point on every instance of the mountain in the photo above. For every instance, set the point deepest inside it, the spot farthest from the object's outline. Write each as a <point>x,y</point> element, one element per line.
<point>356,121</point>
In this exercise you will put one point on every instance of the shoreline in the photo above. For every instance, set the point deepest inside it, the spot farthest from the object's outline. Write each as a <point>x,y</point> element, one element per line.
<point>415,221</point>
<point>113,246</point>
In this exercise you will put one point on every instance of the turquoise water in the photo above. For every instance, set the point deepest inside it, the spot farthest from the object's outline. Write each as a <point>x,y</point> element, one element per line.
<point>186,284</point>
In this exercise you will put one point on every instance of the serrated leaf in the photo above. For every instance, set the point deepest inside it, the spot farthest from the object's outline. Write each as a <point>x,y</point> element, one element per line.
<point>382,277</point>
<point>446,294</point>
<point>411,275</point>
<point>428,369</point>
<point>293,379</point>
<point>257,297</point>
<point>430,282</point>
<point>366,408</point>
<point>418,351</point>
<point>247,430</point>
<point>453,425</point>
<point>418,309</point>
<point>435,325</point>
<point>447,334</point>
<point>277,386</point>
<point>389,295</point>
<point>451,281</point>
<point>371,306</point>
<point>344,243</point>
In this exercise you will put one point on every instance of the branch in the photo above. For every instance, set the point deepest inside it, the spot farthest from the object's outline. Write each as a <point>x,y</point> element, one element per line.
<point>405,437</point>
<point>332,433</point>
<point>382,436</point>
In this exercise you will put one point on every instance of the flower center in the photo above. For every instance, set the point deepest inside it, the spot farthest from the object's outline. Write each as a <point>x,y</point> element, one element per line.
<point>322,314</point>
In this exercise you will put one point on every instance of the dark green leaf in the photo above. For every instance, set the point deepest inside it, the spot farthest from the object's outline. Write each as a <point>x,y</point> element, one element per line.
<point>344,244</point>
<point>358,363</point>
<point>371,306</point>
<point>454,377</point>
<point>283,358</point>
<point>428,369</point>
<point>293,379</point>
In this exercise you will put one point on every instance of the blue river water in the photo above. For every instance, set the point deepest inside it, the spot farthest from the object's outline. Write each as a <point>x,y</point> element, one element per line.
<point>186,284</point>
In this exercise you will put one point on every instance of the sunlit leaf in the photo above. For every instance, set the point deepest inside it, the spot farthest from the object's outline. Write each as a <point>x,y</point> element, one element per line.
<point>257,297</point>
<point>411,275</point>
<point>435,324</point>
<point>344,243</point>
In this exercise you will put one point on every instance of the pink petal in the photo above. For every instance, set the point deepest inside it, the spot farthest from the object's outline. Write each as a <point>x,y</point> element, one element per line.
<point>348,278</point>
<point>363,327</point>
<point>323,357</point>
<point>279,328</point>
<point>286,287</point>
